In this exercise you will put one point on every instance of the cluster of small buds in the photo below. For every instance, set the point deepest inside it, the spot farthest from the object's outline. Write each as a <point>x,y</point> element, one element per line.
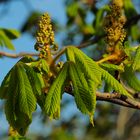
<point>44,36</point>
<point>113,25</point>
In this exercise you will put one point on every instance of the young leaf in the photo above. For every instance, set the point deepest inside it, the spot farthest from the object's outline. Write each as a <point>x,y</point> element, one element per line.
<point>130,78</point>
<point>40,65</point>
<point>112,67</point>
<point>114,83</point>
<point>20,100</point>
<point>22,122</point>
<point>4,86</point>
<point>11,102</point>
<point>136,62</point>
<point>52,102</point>
<point>84,90</point>
<point>37,84</point>
<point>90,68</point>
<point>27,100</point>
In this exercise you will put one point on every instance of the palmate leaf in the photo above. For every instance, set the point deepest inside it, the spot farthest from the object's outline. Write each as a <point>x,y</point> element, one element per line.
<point>93,71</point>
<point>130,78</point>
<point>109,79</point>
<point>52,102</point>
<point>16,119</point>
<point>136,62</point>
<point>84,90</point>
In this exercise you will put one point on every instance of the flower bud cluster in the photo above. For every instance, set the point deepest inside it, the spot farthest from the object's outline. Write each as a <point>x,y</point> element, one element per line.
<point>113,26</point>
<point>44,36</point>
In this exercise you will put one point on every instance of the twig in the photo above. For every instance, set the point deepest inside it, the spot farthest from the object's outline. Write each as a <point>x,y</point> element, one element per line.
<point>5,54</point>
<point>59,54</point>
<point>110,57</point>
<point>91,41</point>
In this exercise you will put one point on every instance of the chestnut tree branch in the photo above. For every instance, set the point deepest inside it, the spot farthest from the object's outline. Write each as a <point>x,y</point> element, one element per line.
<point>114,98</point>
<point>5,54</point>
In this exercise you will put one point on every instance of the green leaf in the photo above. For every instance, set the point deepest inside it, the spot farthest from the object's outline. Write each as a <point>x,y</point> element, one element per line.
<point>22,122</point>
<point>44,66</point>
<point>40,65</point>
<point>27,100</point>
<point>11,33</point>
<point>4,86</point>
<point>6,41</point>
<point>136,62</point>
<point>11,102</point>
<point>20,100</point>
<point>37,84</point>
<point>130,78</point>
<point>90,68</point>
<point>112,67</point>
<point>52,102</point>
<point>114,83</point>
<point>84,90</point>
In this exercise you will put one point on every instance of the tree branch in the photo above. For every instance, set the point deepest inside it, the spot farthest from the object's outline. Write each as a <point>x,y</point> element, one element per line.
<point>93,40</point>
<point>5,54</point>
<point>114,98</point>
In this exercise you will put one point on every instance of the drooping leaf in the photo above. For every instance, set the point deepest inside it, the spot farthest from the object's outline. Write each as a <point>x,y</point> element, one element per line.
<point>22,122</point>
<point>52,102</point>
<point>20,100</point>
<point>6,41</point>
<point>84,90</point>
<point>114,83</point>
<point>11,102</point>
<point>37,84</point>
<point>130,78</point>
<point>4,86</point>
<point>27,100</point>
<point>136,62</point>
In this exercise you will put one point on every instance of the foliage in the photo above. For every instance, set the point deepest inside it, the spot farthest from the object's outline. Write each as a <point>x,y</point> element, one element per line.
<point>42,81</point>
